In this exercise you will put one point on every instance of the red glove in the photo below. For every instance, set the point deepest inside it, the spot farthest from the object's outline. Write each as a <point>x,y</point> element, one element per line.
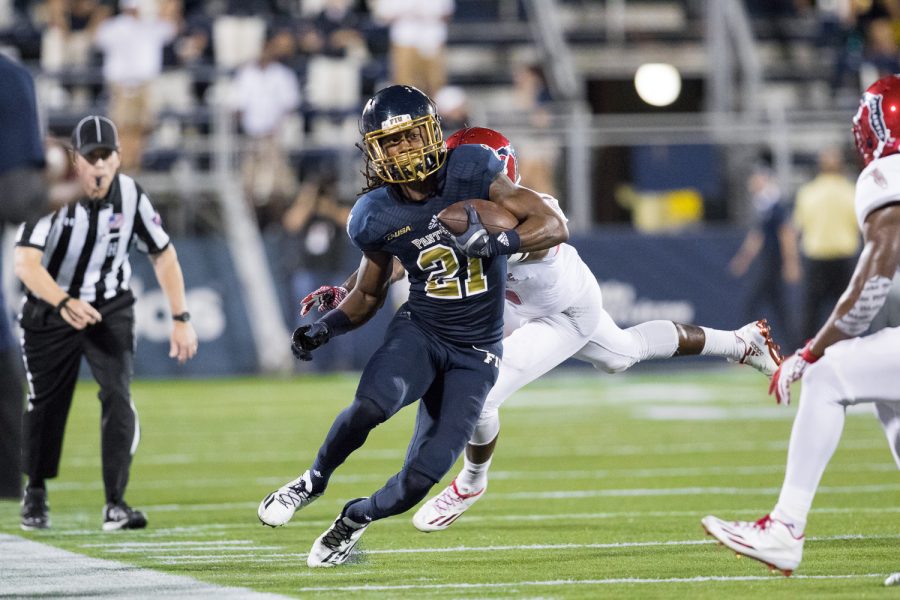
<point>325,298</point>
<point>791,369</point>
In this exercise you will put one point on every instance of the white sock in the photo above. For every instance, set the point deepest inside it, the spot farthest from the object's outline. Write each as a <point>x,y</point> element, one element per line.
<point>473,477</point>
<point>722,343</point>
<point>793,507</point>
<point>656,339</point>
<point>814,438</point>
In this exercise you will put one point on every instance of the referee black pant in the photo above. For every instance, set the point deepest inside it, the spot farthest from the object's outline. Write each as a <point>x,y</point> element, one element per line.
<point>52,355</point>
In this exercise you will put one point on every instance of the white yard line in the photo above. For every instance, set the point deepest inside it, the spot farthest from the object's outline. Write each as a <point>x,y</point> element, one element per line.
<point>31,569</point>
<point>541,451</point>
<point>248,554</point>
<point>561,474</point>
<point>211,529</point>
<point>566,582</point>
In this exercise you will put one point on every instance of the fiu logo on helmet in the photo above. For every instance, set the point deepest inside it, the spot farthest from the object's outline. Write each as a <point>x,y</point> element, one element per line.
<point>876,116</point>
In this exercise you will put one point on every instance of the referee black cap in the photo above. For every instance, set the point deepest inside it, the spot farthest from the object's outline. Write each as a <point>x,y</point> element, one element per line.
<point>94,132</point>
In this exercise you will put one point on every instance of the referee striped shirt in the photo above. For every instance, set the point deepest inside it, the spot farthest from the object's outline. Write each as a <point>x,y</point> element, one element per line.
<point>86,244</point>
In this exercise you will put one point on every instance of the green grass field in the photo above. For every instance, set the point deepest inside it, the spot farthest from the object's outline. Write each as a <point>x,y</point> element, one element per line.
<point>597,488</point>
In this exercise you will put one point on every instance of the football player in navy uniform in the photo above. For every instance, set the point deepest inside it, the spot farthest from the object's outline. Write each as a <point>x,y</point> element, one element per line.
<point>444,345</point>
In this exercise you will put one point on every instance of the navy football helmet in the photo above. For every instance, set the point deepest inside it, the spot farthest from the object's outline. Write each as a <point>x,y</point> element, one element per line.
<point>398,109</point>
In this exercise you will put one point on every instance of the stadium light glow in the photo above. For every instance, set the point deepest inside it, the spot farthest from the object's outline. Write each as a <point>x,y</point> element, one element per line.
<point>658,84</point>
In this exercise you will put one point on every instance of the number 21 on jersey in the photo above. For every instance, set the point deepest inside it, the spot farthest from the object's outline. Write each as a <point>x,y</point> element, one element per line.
<point>445,280</point>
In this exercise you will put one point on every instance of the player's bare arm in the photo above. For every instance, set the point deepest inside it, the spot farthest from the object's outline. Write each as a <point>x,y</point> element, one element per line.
<point>868,287</point>
<point>31,272</point>
<point>183,339</point>
<point>397,273</point>
<point>373,278</point>
<point>541,226</point>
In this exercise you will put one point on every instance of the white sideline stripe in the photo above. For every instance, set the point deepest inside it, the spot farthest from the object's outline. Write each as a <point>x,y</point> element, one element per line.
<point>559,582</point>
<point>497,475</point>
<point>31,569</point>
<point>253,557</point>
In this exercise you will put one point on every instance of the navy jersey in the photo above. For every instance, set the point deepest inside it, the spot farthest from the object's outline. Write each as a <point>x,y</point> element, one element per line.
<point>459,298</point>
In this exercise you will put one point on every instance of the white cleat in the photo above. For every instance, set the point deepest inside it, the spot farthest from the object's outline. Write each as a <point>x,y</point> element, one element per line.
<point>441,511</point>
<point>768,540</point>
<point>279,507</point>
<point>333,547</point>
<point>760,350</point>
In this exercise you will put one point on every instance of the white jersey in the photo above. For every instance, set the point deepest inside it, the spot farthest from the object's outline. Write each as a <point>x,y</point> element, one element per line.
<point>878,184</point>
<point>548,286</point>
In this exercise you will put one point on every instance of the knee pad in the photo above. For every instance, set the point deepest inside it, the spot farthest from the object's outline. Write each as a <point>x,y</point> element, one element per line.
<point>487,428</point>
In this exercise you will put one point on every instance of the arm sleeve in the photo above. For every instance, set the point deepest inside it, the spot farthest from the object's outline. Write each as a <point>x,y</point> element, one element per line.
<point>148,230</point>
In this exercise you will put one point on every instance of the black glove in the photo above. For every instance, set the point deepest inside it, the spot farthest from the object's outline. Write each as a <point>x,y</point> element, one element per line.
<point>307,338</point>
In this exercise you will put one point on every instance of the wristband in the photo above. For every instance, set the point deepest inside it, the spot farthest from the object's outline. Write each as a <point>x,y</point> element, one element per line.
<point>62,304</point>
<point>337,322</point>
<point>183,317</point>
<point>505,242</point>
<point>807,355</point>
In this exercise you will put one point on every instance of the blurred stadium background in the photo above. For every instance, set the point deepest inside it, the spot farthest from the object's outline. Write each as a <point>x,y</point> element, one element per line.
<point>645,118</point>
<point>654,180</point>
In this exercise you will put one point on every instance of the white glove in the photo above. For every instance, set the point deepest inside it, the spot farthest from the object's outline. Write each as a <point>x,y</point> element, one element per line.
<point>791,369</point>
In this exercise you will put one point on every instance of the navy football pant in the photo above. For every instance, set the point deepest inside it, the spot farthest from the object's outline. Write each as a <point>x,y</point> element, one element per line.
<point>452,382</point>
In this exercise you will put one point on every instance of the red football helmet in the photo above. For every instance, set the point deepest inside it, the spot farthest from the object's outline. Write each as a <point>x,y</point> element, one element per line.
<point>493,140</point>
<point>877,121</point>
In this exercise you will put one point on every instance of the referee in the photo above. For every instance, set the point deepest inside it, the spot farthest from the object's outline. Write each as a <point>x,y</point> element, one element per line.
<point>74,264</point>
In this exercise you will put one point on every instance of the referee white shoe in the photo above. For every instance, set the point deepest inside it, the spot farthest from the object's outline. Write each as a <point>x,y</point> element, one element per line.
<point>760,350</point>
<point>770,541</point>
<point>440,512</point>
<point>279,507</point>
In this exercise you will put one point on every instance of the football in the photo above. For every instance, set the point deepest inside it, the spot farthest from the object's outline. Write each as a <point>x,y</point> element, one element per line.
<point>494,217</point>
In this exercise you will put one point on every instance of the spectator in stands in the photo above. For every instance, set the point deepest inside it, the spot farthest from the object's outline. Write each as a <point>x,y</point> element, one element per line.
<point>773,242</point>
<point>537,158</point>
<point>132,49</point>
<point>314,224</point>
<point>453,106</point>
<point>334,50</point>
<point>418,35</point>
<point>66,41</point>
<point>881,55</point>
<point>265,92</point>
<point>824,216</point>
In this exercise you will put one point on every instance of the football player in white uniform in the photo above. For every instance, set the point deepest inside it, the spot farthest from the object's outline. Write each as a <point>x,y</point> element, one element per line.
<point>838,367</point>
<point>554,311</point>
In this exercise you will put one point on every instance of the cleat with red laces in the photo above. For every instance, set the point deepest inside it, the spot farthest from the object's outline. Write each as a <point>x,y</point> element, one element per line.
<point>760,350</point>
<point>770,541</point>
<point>441,511</point>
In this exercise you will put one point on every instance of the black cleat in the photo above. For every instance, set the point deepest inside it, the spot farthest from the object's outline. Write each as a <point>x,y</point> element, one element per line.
<point>35,510</point>
<point>122,516</point>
